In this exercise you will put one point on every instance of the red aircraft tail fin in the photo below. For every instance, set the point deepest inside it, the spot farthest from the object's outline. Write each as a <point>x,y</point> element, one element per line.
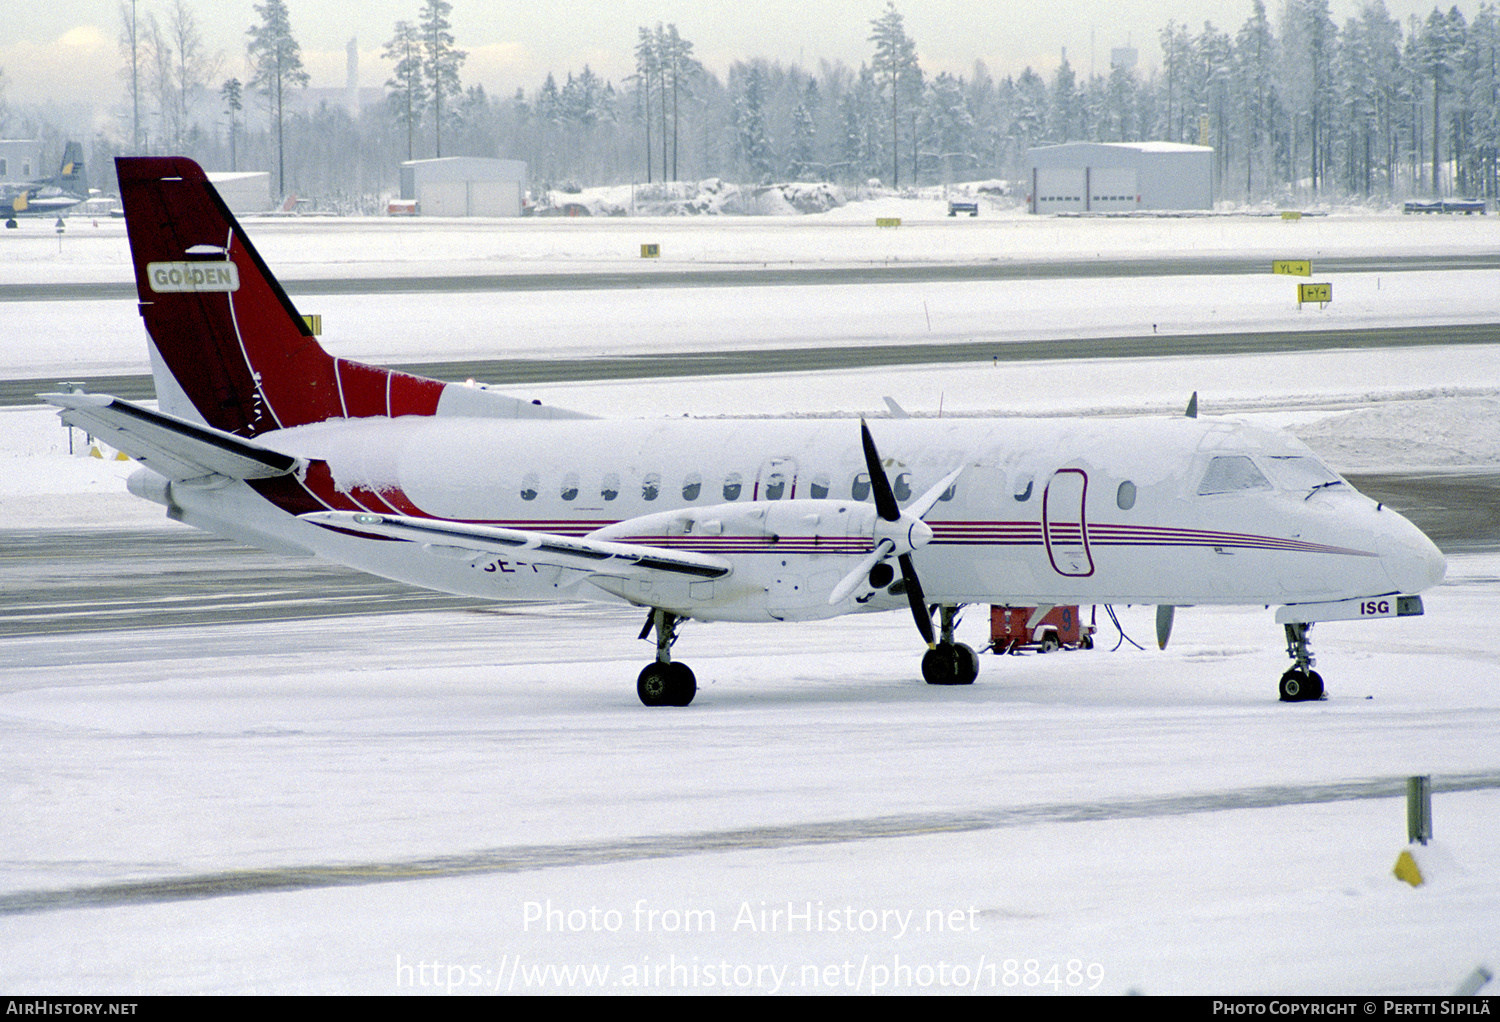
<point>227,334</point>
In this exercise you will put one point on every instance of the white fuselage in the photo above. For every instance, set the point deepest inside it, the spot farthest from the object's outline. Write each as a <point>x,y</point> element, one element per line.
<point>1052,511</point>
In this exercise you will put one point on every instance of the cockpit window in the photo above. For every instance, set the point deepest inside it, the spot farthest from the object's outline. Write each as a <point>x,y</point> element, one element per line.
<point>1232,473</point>
<point>1299,472</point>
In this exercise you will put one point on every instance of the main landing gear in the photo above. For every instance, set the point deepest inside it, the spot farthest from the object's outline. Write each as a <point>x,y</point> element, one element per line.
<point>1300,683</point>
<point>948,662</point>
<point>665,683</point>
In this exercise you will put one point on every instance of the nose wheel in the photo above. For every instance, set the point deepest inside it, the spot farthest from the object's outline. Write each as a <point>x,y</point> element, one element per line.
<point>1300,684</point>
<point>665,683</point>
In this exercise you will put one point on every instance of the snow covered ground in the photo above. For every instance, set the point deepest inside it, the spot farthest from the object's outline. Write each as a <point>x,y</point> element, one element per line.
<point>1089,822</point>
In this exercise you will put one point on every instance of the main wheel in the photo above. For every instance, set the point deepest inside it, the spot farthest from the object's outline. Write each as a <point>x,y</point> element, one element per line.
<point>950,663</point>
<point>1314,687</point>
<point>662,684</point>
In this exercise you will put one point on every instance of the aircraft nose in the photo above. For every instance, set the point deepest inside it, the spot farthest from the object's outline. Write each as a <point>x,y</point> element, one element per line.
<point>1411,560</point>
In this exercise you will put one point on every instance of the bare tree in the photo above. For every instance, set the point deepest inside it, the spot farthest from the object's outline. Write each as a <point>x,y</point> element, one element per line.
<point>440,62</point>
<point>193,68</point>
<point>277,60</point>
<point>408,93</point>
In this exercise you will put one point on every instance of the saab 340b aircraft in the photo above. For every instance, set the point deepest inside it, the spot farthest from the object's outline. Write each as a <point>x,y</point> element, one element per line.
<point>263,437</point>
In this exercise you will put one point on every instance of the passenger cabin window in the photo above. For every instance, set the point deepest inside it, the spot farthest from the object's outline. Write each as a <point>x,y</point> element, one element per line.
<point>610,488</point>
<point>1125,496</point>
<point>692,486</point>
<point>860,489</point>
<point>820,486</point>
<point>570,486</point>
<point>1232,473</point>
<point>734,483</point>
<point>651,486</point>
<point>529,486</point>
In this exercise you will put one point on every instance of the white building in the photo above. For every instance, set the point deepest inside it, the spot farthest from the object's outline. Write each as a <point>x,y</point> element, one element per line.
<point>465,186</point>
<point>245,191</point>
<point>20,161</point>
<point>1115,177</point>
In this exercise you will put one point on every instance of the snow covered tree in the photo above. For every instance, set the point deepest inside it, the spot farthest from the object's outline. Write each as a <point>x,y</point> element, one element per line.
<point>232,93</point>
<point>1255,62</point>
<point>1029,123</point>
<point>1065,113</point>
<point>750,123</point>
<point>1484,99</point>
<point>895,67</point>
<point>948,126</point>
<point>804,136</point>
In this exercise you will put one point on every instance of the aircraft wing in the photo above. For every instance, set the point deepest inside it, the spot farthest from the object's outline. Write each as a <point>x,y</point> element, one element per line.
<point>592,556</point>
<point>176,448</point>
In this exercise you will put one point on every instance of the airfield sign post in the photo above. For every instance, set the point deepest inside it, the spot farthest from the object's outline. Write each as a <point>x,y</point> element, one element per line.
<point>1320,293</point>
<point>1419,809</point>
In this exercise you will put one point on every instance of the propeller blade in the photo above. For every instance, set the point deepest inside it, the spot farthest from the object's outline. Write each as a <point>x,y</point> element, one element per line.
<point>861,572</point>
<point>880,485</point>
<point>1163,625</point>
<point>917,600</point>
<point>925,502</point>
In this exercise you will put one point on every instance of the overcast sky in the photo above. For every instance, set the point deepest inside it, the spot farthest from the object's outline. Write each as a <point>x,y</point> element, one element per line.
<point>66,51</point>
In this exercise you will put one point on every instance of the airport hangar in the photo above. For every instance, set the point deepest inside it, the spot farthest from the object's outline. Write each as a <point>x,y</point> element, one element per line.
<point>1119,177</point>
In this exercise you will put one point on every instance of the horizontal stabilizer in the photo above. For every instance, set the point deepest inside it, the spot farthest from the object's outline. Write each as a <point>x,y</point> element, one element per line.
<point>173,447</point>
<point>597,557</point>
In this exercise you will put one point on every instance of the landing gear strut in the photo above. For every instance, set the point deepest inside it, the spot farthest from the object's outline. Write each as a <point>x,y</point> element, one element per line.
<point>949,662</point>
<point>1300,683</point>
<point>665,683</point>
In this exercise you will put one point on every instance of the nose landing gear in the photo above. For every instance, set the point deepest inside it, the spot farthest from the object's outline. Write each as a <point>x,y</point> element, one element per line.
<point>1300,683</point>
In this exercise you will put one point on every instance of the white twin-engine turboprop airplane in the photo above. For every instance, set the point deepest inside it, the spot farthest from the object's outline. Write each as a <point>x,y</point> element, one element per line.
<point>263,437</point>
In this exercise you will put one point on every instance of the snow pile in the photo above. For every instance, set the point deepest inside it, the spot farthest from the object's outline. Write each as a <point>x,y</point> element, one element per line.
<point>1454,432</point>
<point>710,197</point>
<point>812,197</point>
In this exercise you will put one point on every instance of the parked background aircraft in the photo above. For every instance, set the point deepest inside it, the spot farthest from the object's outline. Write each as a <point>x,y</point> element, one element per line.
<point>264,437</point>
<point>48,196</point>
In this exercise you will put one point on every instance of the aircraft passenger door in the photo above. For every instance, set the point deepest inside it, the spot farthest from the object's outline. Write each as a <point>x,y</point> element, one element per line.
<point>1065,529</point>
<point>777,480</point>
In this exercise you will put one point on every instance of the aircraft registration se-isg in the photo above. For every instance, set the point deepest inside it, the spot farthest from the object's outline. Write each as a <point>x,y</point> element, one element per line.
<point>261,436</point>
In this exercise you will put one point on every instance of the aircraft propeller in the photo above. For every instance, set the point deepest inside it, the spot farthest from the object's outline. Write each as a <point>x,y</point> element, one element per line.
<point>1163,625</point>
<point>897,532</point>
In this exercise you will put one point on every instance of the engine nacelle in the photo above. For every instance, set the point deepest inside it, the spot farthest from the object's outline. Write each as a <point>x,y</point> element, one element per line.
<point>788,555</point>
